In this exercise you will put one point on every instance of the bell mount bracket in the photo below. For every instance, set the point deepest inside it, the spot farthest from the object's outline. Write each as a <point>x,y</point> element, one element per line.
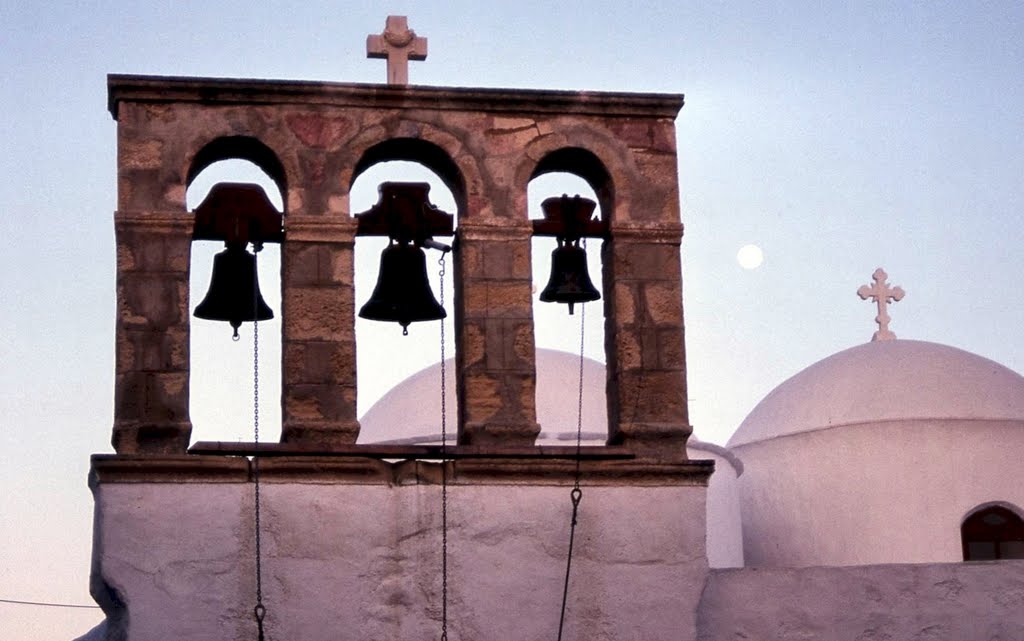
<point>238,214</point>
<point>569,218</point>
<point>405,214</point>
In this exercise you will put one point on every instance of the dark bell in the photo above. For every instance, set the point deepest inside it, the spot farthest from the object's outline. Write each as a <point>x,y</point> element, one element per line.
<point>570,281</point>
<point>234,295</point>
<point>403,293</point>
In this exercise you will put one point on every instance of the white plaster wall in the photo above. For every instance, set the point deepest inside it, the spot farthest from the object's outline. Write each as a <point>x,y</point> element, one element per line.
<point>948,602</point>
<point>363,561</point>
<point>874,493</point>
<point>724,538</point>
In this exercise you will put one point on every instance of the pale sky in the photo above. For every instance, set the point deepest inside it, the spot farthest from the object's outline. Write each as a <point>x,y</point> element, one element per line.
<point>838,139</point>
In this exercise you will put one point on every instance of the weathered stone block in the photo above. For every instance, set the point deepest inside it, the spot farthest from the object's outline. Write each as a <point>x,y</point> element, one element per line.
<point>162,350</point>
<point>140,154</point>
<point>498,434</point>
<point>664,302</point>
<point>651,396</point>
<point>319,362</point>
<point>645,261</point>
<point>319,432</point>
<point>509,344</point>
<point>318,314</point>
<point>319,402</point>
<point>624,303</point>
<point>301,264</point>
<point>671,349</point>
<point>152,301</point>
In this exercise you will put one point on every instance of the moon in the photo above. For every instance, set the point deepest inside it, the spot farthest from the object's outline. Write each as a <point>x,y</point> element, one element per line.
<point>750,257</point>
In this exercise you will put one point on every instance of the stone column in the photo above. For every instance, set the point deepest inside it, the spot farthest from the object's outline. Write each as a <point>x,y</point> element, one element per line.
<point>647,406</point>
<point>318,373</point>
<point>151,413</point>
<point>494,331</point>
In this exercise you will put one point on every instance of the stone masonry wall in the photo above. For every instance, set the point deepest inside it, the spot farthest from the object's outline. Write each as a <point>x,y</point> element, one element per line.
<point>313,139</point>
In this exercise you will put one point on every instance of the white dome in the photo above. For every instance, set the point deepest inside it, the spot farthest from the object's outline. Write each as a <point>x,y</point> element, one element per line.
<point>411,410</point>
<point>897,380</point>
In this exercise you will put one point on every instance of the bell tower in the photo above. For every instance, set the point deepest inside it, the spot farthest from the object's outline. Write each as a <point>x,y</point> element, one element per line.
<point>348,536</point>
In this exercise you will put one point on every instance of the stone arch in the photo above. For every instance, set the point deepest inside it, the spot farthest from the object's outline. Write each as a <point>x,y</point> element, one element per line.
<point>582,163</point>
<point>241,148</point>
<point>595,161</point>
<point>434,149</point>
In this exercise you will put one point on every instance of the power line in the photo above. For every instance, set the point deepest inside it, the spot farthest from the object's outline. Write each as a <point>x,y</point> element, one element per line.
<point>48,605</point>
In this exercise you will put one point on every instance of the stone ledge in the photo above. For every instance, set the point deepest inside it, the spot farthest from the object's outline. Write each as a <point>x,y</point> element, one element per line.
<point>129,468</point>
<point>226,91</point>
<point>169,222</point>
<point>660,234</point>
<point>539,470</point>
<point>329,228</point>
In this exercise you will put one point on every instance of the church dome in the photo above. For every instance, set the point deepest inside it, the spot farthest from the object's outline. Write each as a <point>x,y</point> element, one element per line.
<point>876,454</point>
<point>883,381</point>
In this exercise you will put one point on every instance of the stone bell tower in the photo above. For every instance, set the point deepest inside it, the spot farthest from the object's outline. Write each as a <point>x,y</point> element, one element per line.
<point>351,534</point>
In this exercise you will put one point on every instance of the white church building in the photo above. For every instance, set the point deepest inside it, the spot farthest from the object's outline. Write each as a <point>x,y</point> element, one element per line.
<point>878,454</point>
<point>876,495</point>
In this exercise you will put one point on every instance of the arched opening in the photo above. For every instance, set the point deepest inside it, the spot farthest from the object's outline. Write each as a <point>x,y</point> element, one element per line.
<point>569,172</point>
<point>222,375</point>
<point>992,532</point>
<point>384,356</point>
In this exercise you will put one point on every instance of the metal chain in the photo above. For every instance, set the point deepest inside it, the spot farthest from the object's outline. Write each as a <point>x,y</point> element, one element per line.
<point>444,473</point>
<point>576,494</point>
<point>260,611</point>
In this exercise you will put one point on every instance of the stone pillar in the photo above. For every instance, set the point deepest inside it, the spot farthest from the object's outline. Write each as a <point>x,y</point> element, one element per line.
<point>318,373</point>
<point>647,407</point>
<point>151,414</point>
<point>494,331</point>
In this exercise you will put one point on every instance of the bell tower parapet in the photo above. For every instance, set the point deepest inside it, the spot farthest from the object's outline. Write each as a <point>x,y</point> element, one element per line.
<point>313,139</point>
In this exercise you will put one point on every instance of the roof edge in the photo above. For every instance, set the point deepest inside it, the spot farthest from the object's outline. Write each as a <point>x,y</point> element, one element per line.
<point>166,89</point>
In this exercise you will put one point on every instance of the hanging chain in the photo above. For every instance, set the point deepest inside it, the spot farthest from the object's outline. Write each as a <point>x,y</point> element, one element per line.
<point>576,494</point>
<point>260,610</point>
<point>444,472</point>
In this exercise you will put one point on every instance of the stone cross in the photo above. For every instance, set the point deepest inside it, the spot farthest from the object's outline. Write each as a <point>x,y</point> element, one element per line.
<point>399,44</point>
<point>881,294</point>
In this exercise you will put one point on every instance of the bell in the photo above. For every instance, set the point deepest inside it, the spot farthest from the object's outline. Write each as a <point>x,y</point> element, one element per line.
<point>570,281</point>
<point>234,295</point>
<point>402,294</point>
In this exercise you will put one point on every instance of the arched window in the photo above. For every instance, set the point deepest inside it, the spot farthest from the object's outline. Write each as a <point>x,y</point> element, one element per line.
<point>394,357</point>
<point>569,172</point>
<point>993,532</point>
<point>221,380</point>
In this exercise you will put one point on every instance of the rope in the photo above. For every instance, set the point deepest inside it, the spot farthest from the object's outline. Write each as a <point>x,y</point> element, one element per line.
<point>444,474</point>
<point>259,611</point>
<point>576,494</point>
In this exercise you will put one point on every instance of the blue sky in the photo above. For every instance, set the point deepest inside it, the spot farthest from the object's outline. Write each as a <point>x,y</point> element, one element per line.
<point>839,138</point>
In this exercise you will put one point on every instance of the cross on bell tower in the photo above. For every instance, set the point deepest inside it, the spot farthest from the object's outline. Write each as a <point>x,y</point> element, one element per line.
<point>398,44</point>
<point>882,295</point>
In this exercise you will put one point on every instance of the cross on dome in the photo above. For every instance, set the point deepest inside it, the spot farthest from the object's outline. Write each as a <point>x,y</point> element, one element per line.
<point>398,44</point>
<point>881,294</point>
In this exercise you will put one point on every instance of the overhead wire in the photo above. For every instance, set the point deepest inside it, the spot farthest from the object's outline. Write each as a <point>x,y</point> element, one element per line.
<point>49,604</point>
